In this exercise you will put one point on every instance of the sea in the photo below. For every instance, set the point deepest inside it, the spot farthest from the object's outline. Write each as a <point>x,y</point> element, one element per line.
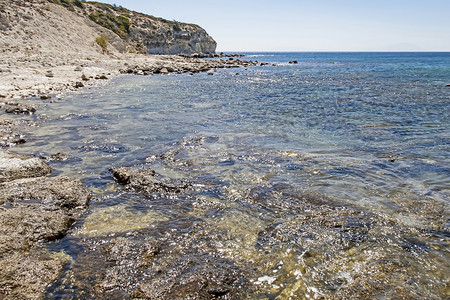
<point>329,177</point>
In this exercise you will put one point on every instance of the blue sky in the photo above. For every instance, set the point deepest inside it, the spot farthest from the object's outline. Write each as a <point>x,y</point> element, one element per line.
<point>320,25</point>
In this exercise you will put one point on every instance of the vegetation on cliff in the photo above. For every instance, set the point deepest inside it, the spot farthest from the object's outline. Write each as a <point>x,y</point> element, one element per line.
<point>68,3</point>
<point>143,33</point>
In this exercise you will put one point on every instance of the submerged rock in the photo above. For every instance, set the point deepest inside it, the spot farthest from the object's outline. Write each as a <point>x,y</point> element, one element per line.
<point>56,157</point>
<point>194,277</point>
<point>146,180</point>
<point>154,263</point>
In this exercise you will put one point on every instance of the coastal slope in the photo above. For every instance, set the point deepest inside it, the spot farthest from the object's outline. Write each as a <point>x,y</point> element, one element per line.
<point>46,46</point>
<point>148,34</point>
<point>71,25</point>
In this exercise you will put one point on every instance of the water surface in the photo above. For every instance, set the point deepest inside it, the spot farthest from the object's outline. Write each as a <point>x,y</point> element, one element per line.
<point>309,178</point>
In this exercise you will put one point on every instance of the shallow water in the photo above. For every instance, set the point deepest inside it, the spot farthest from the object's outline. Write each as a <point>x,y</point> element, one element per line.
<point>325,178</point>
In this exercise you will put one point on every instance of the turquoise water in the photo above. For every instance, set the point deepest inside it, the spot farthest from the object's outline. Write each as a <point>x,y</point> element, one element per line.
<point>341,107</point>
<point>369,131</point>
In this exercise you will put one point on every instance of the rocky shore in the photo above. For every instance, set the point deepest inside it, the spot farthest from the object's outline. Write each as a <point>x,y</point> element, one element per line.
<point>49,47</point>
<point>54,49</point>
<point>29,79</point>
<point>34,209</point>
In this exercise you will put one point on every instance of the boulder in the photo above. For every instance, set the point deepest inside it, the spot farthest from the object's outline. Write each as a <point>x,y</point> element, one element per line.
<point>15,166</point>
<point>78,84</point>
<point>19,108</point>
<point>164,71</point>
<point>34,211</point>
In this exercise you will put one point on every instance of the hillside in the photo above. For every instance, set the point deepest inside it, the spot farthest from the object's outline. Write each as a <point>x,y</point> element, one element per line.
<point>48,46</point>
<point>49,25</point>
<point>149,34</point>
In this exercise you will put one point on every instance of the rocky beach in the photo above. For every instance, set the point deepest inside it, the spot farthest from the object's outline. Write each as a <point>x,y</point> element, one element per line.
<point>123,177</point>
<point>48,49</point>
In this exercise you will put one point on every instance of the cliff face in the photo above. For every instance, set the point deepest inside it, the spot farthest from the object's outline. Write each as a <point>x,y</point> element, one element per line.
<point>144,33</point>
<point>171,37</point>
<point>58,26</point>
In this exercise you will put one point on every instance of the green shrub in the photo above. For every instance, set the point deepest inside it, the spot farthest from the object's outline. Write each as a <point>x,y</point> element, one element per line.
<point>118,24</point>
<point>102,41</point>
<point>68,3</point>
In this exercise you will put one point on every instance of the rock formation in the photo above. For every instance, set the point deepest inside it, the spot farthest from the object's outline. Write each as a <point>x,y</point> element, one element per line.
<point>34,210</point>
<point>136,32</point>
<point>51,24</point>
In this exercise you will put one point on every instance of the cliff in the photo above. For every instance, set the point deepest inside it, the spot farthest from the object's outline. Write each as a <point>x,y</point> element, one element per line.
<point>60,26</point>
<point>154,35</point>
<point>144,33</point>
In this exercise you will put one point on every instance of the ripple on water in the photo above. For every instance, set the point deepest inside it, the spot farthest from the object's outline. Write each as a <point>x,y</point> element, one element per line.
<point>309,180</point>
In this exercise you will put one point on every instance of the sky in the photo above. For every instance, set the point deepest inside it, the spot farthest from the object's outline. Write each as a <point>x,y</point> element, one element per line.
<point>313,25</point>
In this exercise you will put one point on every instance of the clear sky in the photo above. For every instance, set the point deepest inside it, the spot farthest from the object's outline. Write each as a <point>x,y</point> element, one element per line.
<point>313,25</point>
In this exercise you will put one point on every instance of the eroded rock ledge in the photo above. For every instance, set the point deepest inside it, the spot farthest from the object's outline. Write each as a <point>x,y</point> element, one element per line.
<point>33,210</point>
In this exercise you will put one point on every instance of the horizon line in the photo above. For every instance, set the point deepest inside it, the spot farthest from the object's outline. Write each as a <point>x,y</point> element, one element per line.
<point>336,51</point>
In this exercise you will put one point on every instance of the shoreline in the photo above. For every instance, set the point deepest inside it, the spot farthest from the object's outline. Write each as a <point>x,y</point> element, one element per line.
<point>28,78</point>
<point>49,78</point>
<point>336,224</point>
<point>59,200</point>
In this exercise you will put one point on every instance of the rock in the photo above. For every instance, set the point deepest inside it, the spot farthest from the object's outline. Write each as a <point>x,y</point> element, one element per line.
<point>84,78</point>
<point>164,71</point>
<point>78,69</point>
<point>170,69</point>
<point>26,275</point>
<point>210,73</point>
<point>10,132</point>
<point>146,180</point>
<point>49,74</point>
<point>58,193</point>
<point>57,157</point>
<point>78,85</point>
<point>15,166</point>
<point>103,77</point>
<point>293,62</point>
<point>448,84</point>
<point>172,37</point>
<point>34,211</point>
<point>19,108</point>
<point>45,97</point>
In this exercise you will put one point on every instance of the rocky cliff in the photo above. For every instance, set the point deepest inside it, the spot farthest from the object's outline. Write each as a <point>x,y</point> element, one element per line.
<point>61,26</point>
<point>144,33</point>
